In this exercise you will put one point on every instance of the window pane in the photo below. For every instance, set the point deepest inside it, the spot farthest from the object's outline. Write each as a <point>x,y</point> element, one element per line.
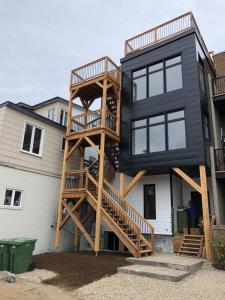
<point>139,73</point>
<point>63,143</point>
<point>8,197</point>
<point>37,141</point>
<point>139,123</point>
<point>173,78</point>
<point>156,83</point>
<point>65,118</point>
<point>157,138</point>
<point>156,67</point>
<point>61,117</point>
<point>173,61</point>
<point>139,88</point>
<point>149,201</point>
<point>157,119</point>
<point>175,115</point>
<point>139,141</point>
<point>27,137</point>
<point>17,198</point>
<point>176,135</point>
<point>51,113</point>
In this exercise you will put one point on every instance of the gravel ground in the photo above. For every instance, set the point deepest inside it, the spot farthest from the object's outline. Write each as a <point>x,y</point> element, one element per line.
<point>208,283</point>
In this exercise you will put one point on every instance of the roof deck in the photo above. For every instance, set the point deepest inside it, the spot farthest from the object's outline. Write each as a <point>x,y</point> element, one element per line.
<point>163,32</point>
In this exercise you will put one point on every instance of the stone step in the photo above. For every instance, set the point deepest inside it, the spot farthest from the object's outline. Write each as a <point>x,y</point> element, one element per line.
<point>154,272</point>
<point>166,260</point>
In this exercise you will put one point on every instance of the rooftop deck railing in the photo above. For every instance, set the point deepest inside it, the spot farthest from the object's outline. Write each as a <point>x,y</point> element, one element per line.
<point>102,66</point>
<point>219,86</point>
<point>162,32</point>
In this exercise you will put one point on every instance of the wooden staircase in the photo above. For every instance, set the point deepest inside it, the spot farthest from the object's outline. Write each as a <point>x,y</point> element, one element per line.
<point>99,129</point>
<point>192,245</point>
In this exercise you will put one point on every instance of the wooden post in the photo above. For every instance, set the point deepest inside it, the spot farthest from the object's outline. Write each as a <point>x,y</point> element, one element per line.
<point>205,210</point>
<point>100,186</point>
<point>122,183</point>
<point>104,107</point>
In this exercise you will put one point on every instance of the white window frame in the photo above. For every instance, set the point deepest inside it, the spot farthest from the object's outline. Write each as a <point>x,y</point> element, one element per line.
<point>64,116</point>
<point>32,139</point>
<point>11,206</point>
<point>51,114</point>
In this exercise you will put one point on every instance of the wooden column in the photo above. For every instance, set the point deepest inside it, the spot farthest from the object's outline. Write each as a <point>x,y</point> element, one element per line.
<point>100,186</point>
<point>122,183</point>
<point>205,211</point>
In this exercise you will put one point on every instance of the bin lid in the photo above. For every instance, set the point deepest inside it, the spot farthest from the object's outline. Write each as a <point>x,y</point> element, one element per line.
<point>21,241</point>
<point>6,241</point>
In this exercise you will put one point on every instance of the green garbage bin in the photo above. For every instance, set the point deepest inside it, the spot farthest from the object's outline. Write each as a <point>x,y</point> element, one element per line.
<point>4,255</point>
<point>20,253</point>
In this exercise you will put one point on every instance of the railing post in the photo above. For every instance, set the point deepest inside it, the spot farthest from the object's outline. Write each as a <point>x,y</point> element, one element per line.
<point>138,243</point>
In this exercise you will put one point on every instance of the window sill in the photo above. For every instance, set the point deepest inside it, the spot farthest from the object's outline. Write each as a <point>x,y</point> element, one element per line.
<point>30,153</point>
<point>158,153</point>
<point>11,207</point>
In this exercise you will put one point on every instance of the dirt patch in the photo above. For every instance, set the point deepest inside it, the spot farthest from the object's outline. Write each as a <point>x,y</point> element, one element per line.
<point>77,269</point>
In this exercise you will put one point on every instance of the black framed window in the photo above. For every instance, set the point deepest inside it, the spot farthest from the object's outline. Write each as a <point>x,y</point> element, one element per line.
<point>176,130</point>
<point>139,137</point>
<point>201,75</point>
<point>157,138</point>
<point>149,201</point>
<point>159,133</point>
<point>155,79</point>
<point>139,85</point>
<point>163,76</point>
<point>205,121</point>
<point>173,74</point>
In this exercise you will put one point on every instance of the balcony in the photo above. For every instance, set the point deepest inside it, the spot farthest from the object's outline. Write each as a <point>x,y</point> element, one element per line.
<point>163,32</point>
<point>219,86</point>
<point>93,121</point>
<point>98,68</point>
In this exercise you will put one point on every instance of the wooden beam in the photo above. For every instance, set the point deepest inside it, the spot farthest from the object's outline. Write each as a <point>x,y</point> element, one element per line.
<point>92,144</point>
<point>188,179</point>
<point>66,218</point>
<point>132,183</point>
<point>74,148</point>
<point>79,225</point>
<point>205,211</point>
<point>100,186</point>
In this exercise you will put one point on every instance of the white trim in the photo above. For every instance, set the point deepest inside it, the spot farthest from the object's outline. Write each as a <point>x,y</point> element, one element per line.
<point>11,206</point>
<point>51,114</point>
<point>64,113</point>
<point>32,139</point>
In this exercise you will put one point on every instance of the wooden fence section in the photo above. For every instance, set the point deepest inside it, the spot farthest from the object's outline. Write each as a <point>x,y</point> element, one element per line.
<point>102,66</point>
<point>162,32</point>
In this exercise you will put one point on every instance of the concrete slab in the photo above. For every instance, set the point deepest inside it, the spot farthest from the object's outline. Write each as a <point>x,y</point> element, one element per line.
<point>168,260</point>
<point>154,272</point>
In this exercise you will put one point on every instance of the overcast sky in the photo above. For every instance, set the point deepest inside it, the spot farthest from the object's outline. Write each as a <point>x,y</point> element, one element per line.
<point>41,41</point>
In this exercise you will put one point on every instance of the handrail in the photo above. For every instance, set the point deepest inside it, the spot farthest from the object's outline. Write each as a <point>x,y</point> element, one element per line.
<point>219,86</point>
<point>135,213</point>
<point>162,32</point>
<point>100,67</point>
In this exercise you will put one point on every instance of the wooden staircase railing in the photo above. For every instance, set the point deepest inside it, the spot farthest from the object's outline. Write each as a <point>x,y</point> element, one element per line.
<point>147,230</point>
<point>118,219</point>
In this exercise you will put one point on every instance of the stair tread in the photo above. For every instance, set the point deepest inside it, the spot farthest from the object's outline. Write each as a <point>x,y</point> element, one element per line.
<point>188,252</point>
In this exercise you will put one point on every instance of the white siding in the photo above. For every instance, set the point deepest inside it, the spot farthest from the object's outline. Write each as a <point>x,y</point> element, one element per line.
<point>39,209</point>
<point>162,224</point>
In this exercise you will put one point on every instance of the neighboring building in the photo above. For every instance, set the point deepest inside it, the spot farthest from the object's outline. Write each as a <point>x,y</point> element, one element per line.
<point>31,155</point>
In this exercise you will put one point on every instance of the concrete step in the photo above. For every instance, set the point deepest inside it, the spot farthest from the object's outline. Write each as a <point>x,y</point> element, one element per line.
<point>171,261</point>
<point>154,272</point>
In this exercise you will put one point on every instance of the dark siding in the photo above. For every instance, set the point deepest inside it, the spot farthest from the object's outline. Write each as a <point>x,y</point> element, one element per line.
<point>188,98</point>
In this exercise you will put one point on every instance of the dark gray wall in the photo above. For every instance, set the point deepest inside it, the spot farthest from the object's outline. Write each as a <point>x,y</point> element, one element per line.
<point>188,98</point>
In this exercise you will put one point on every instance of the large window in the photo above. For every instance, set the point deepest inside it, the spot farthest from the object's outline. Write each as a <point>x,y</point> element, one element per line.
<point>205,126</point>
<point>32,139</point>
<point>201,75</point>
<point>149,202</point>
<point>139,137</point>
<point>164,76</point>
<point>12,198</point>
<point>159,133</point>
<point>51,114</point>
<point>139,85</point>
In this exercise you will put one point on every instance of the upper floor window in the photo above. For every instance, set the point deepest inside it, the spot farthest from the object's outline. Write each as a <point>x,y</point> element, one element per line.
<point>12,198</point>
<point>63,117</point>
<point>63,143</point>
<point>32,139</point>
<point>51,114</point>
<point>205,126</point>
<point>164,76</point>
<point>159,133</point>
<point>201,75</point>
